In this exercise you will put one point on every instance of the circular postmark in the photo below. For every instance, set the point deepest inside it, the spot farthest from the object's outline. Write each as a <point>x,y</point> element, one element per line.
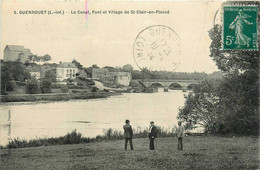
<point>157,48</point>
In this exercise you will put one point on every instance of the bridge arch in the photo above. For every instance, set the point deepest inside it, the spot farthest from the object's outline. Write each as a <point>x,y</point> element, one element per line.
<point>156,84</point>
<point>191,86</point>
<point>175,86</point>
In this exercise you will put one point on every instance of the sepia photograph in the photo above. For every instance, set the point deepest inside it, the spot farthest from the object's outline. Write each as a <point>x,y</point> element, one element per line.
<point>117,84</point>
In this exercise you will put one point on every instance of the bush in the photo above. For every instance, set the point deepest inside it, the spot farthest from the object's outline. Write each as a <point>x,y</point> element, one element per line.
<point>56,86</point>
<point>64,89</point>
<point>70,80</point>
<point>21,83</point>
<point>75,138</point>
<point>94,89</point>
<point>32,86</point>
<point>10,85</point>
<point>134,84</point>
<point>80,84</point>
<point>72,86</point>
<point>46,86</point>
<point>71,138</point>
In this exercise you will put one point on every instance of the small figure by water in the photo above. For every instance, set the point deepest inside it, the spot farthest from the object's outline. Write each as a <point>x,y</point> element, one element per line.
<point>128,134</point>
<point>180,134</point>
<point>152,134</point>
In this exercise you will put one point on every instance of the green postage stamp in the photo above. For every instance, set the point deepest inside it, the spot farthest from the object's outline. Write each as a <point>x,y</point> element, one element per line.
<point>240,28</point>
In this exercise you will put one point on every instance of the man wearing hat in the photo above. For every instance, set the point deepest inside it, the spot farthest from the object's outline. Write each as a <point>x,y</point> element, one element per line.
<point>128,134</point>
<point>152,134</point>
<point>180,134</point>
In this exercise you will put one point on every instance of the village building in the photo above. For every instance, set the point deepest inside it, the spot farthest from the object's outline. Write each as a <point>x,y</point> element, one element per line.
<point>66,70</point>
<point>16,52</point>
<point>122,78</point>
<point>100,73</point>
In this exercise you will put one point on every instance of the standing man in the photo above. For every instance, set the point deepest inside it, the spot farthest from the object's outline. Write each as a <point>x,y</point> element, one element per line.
<point>180,135</point>
<point>152,134</point>
<point>128,134</point>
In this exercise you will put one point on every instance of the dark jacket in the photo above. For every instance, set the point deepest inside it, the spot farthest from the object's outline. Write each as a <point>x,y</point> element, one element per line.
<point>128,132</point>
<point>153,133</point>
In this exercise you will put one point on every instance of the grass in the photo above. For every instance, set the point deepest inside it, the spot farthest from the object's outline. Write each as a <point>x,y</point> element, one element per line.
<point>200,152</point>
<point>76,138</point>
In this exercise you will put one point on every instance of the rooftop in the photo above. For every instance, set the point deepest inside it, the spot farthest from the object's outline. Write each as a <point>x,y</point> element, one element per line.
<point>66,65</point>
<point>16,48</point>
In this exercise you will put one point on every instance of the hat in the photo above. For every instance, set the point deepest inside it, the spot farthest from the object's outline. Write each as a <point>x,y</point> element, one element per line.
<point>127,121</point>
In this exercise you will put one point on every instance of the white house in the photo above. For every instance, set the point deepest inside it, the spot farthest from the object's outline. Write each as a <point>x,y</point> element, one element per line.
<point>122,78</point>
<point>66,70</point>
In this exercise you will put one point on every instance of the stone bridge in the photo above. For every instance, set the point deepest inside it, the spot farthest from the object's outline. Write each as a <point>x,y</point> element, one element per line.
<point>184,84</point>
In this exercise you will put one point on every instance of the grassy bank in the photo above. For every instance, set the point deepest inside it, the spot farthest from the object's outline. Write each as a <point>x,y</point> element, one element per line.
<point>200,152</point>
<point>54,97</point>
<point>76,138</point>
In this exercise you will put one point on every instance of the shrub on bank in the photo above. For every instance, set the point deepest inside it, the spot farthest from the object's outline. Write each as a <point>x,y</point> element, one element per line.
<point>45,86</point>
<point>72,86</point>
<point>70,138</point>
<point>76,138</point>
<point>64,89</point>
<point>32,86</point>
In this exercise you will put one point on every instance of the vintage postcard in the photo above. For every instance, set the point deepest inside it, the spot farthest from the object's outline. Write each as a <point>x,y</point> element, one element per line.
<point>129,84</point>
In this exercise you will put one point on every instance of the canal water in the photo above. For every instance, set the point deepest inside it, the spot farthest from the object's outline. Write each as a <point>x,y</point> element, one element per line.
<point>89,117</point>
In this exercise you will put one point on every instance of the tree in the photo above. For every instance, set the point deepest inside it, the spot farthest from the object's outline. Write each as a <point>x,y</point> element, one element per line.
<point>94,66</point>
<point>6,76</point>
<point>239,89</point>
<point>201,106</point>
<point>12,72</point>
<point>77,64</point>
<point>111,69</point>
<point>128,68</point>
<point>88,71</point>
<point>32,86</point>
<point>236,107</point>
<point>34,58</point>
<point>50,75</point>
<point>136,74</point>
<point>46,57</point>
<point>45,86</point>
<point>19,72</point>
<point>46,81</point>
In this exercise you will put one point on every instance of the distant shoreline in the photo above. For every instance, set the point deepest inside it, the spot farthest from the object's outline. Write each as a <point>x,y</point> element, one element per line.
<point>54,97</point>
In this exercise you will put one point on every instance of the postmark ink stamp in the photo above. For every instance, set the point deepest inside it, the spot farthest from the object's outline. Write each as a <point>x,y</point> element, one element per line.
<point>240,27</point>
<point>157,48</point>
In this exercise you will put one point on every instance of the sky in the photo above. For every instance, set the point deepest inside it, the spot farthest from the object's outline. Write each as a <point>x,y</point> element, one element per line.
<point>108,39</point>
